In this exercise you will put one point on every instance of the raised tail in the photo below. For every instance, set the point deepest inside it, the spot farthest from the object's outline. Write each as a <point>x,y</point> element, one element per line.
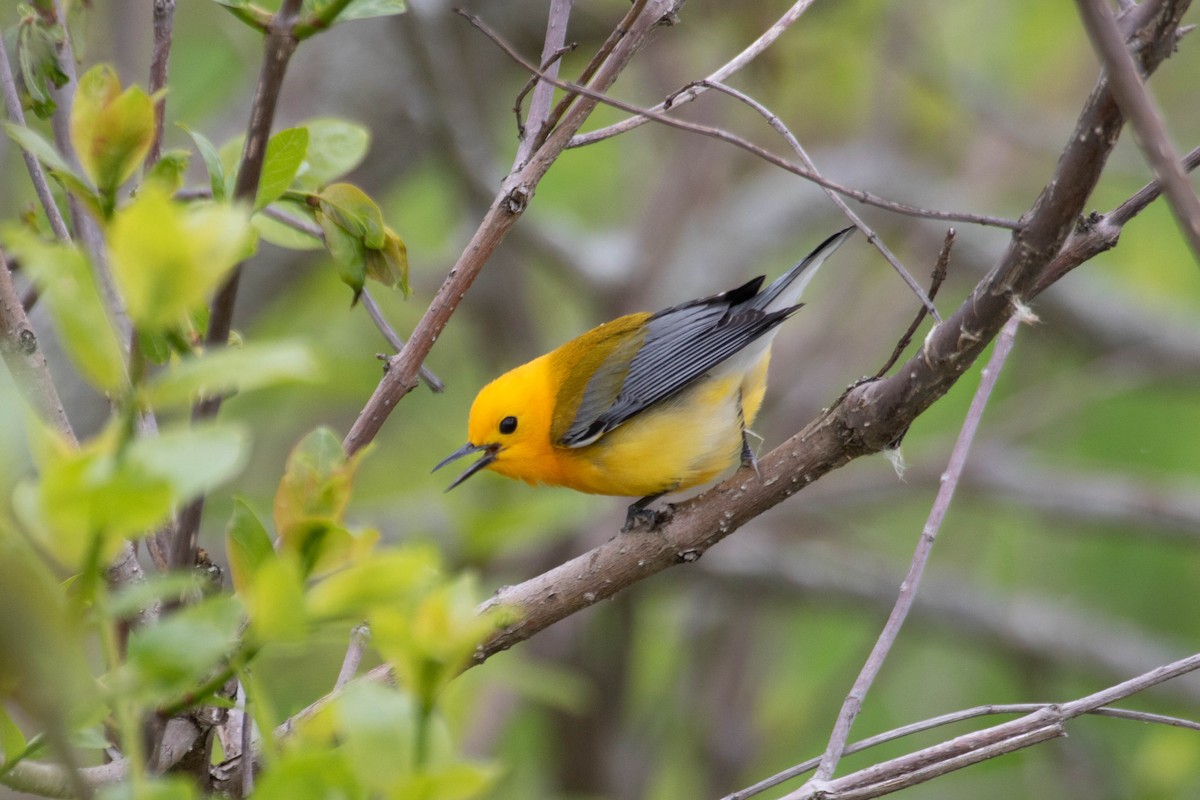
<point>785,290</point>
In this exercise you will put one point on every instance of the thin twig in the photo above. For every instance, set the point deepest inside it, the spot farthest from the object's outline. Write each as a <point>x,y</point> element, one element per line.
<point>434,383</point>
<point>1144,116</point>
<point>777,124</point>
<point>940,268</point>
<point>359,637</point>
<point>41,186</point>
<point>164,16</point>
<point>247,740</point>
<point>725,136</point>
<point>949,719</point>
<point>543,93</point>
<point>690,93</point>
<point>908,590</point>
<point>373,310</point>
<point>977,746</point>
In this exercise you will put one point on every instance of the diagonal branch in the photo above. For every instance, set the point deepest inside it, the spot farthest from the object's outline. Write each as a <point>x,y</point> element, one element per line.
<point>514,196</point>
<point>1149,129</point>
<point>874,414</point>
<point>908,589</point>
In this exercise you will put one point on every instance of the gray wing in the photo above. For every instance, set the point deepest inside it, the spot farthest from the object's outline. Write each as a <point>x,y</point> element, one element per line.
<point>681,344</point>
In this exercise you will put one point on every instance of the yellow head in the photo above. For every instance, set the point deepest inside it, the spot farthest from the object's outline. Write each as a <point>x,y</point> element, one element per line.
<point>510,424</point>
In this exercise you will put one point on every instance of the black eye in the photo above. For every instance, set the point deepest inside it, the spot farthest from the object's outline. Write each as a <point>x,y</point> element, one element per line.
<point>508,425</point>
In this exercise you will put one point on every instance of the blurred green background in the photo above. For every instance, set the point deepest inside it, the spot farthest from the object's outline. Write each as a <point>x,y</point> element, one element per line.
<point>1070,559</point>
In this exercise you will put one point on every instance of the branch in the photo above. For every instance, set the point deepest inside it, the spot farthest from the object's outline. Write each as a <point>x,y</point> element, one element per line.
<point>908,589</point>
<point>164,16</point>
<point>1148,127</point>
<point>874,414</point>
<point>775,122</point>
<point>690,93</point>
<point>278,46</point>
<point>24,359</point>
<point>12,104</point>
<point>538,124</point>
<point>766,155</point>
<point>515,193</point>
<point>971,748</point>
<point>950,719</point>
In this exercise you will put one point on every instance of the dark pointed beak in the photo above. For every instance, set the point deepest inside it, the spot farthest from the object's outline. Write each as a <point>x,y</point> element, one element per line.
<point>490,451</point>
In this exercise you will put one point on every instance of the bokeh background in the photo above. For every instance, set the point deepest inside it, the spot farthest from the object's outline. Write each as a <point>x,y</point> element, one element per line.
<point>1070,559</point>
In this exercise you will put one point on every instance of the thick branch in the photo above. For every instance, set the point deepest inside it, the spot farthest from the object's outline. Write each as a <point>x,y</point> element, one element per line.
<point>873,416</point>
<point>1149,129</point>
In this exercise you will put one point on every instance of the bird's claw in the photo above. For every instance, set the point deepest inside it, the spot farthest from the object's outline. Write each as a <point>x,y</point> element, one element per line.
<point>650,519</point>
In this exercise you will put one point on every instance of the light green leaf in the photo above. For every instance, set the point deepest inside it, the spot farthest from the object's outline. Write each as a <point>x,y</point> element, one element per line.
<point>275,601</point>
<point>41,71</point>
<point>335,147</point>
<point>285,153</point>
<point>154,588</point>
<point>193,460</point>
<point>212,161</point>
<point>366,9</point>
<point>349,254</point>
<point>353,210</point>
<point>168,172</point>
<point>394,578</point>
<point>111,130</point>
<point>167,257</point>
<point>168,657</point>
<point>76,308</point>
<point>377,731</point>
<point>36,146</point>
<point>12,741</point>
<point>224,370</point>
<point>389,265</point>
<point>247,545</point>
<point>158,788</point>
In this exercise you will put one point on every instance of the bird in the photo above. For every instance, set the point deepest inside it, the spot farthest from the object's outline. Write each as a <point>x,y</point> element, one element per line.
<point>645,405</point>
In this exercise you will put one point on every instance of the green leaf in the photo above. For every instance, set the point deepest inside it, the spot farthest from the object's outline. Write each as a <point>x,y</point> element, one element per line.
<point>395,578</point>
<point>377,730</point>
<point>335,147</point>
<point>111,130</point>
<point>354,211</point>
<point>224,370</point>
<point>76,308</point>
<point>285,153</point>
<point>158,788</point>
<point>316,483</point>
<point>154,588</point>
<point>275,601</point>
<point>192,460</point>
<point>168,172</point>
<point>90,493</point>
<point>41,72</point>
<point>349,254</point>
<point>389,265</point>
<point>36,146</point>
<point>320,10</point>
<point>169,657</point>
<point>212,161</point>
<point>247,545</point>
<point>167,257</point>
<point>12,741</point>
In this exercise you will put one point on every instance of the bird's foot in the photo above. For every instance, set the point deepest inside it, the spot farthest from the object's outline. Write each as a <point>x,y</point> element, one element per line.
<point>638,517</point>
<point>749,459</point>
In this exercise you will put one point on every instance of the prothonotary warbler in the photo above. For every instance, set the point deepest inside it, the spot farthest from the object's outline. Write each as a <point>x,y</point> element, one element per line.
<point>644,405</point>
